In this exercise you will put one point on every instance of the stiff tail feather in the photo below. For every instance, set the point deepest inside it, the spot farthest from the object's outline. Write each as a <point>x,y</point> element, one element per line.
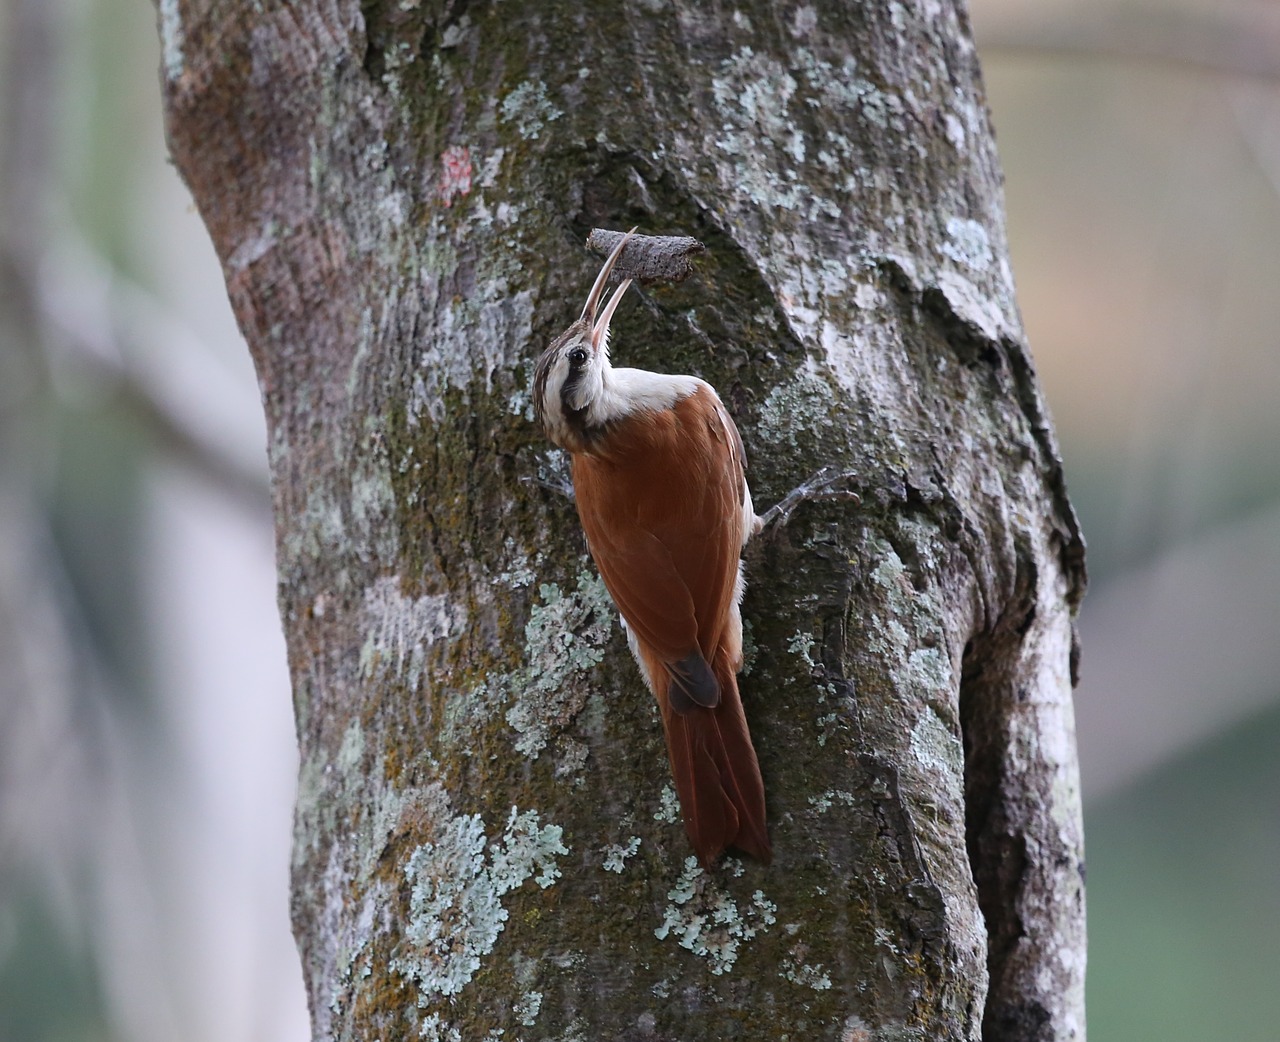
<point>717,776</point>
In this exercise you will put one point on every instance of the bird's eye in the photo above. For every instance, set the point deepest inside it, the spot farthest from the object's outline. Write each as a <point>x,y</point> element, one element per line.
<point>577,357</point>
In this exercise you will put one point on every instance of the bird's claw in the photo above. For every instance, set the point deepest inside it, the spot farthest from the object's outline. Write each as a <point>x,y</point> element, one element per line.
<point>819,486</point>
<point>564,488</point>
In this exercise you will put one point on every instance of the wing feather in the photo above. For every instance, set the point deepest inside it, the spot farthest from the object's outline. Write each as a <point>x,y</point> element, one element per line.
<point>662,510</point>
<point>665,508</point>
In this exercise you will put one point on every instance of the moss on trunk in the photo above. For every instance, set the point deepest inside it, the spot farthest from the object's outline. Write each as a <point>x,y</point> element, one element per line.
<point>486,841</point>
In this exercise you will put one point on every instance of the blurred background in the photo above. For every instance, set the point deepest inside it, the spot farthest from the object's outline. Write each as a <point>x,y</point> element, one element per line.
<point>146,744</point>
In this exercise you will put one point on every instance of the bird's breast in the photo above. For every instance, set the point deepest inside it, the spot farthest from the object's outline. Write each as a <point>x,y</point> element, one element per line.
<point>662,468</point>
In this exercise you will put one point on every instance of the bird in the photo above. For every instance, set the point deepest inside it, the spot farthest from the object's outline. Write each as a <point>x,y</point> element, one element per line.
<point>659,480</point>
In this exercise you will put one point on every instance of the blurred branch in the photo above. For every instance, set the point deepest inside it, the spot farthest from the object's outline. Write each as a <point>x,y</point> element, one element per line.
<point>56,293</point>
<point>91,321</point>
<point>172,433</point>
<point>101,320</point>
<point>1236,40</point>
<point>50,709</point>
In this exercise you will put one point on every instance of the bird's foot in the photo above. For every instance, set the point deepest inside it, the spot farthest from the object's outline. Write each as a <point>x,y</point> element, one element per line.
<point>819,486</point>
<point>553,484</point>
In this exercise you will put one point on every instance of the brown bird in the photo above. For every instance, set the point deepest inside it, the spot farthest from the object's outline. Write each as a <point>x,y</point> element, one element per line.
<point>659,478</point>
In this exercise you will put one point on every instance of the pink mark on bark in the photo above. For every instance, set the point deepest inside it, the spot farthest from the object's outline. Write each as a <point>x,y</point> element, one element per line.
<point>455,173</point>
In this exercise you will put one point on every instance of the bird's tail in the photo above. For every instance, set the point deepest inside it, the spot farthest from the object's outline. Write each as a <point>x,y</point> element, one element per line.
<point>717,775</point>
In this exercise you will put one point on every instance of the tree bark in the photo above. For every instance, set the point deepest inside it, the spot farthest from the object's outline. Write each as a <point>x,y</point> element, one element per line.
<point>486,841</point>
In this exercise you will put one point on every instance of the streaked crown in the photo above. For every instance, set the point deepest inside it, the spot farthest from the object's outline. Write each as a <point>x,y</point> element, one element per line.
<point>569,375</point>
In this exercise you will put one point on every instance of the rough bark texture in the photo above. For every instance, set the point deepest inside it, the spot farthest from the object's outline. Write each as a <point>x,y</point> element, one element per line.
<point>486,842</point>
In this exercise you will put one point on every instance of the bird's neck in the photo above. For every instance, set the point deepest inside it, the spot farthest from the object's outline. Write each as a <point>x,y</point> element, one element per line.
<point>622,396</point>
<point>626,392</point>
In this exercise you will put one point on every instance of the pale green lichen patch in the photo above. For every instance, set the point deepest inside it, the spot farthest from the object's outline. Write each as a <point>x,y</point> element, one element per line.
<point>758,95</point>
<point>907,631</point>
<point>317,531</point>
<point>795,970</point>
<point>939,752</point>
<point>803,21</point>
<point>520,571</point>
<point>917,608</point>
<point>172,39</point>
<point>967,243</point>
<point>458,883</point>
<point>704,919</point>
<point>932,668</point>
<point>565,639</point>
<point>473,337</point>
<point>329,790</point>
<point>802,405</point>
<point>434,1029</point>
<point>400,630</point>
<point>835,85</point>
<point>571,757</point>
<point>911,637</point>
<point>332,799</point>
<point>802,644</point>
<point>752,95</point>
<point>809,294</point>
<point>456,33</point>
<point>373,503</point>
<point>758,87</point>
<point>352,933</point>
<point>331,521</point>
<point>351,751</point>
<point>526,1010</point>
<point>668,806</point>
<point>520,401</point>
<point>826,800</point>
<point>615,855</point>
<point>577,1031</point>
<point>827,726</point>
<point>529,109</point>
<point>399,55</point>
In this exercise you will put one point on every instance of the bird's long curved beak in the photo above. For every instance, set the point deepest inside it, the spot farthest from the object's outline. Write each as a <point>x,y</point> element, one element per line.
<point>600,326</point>
<point>597,288</point>
<point>600,331</point>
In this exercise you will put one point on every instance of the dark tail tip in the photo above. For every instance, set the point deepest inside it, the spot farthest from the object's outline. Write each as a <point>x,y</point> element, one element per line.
<point>692,684</point>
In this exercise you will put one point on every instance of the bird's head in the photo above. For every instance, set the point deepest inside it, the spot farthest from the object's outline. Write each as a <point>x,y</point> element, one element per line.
<point>571,373</point>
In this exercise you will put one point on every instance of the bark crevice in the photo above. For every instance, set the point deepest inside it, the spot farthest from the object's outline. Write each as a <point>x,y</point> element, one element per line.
<point>399,196</point>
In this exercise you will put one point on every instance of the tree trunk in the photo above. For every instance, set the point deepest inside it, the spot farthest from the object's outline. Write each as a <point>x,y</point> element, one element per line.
<point>486,842</point>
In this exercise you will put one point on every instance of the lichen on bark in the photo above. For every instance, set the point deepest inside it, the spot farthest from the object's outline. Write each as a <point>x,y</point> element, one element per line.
<point>399,194</point>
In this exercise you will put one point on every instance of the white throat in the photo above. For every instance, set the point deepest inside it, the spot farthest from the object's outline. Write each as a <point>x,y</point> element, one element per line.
<point>625,391</point>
